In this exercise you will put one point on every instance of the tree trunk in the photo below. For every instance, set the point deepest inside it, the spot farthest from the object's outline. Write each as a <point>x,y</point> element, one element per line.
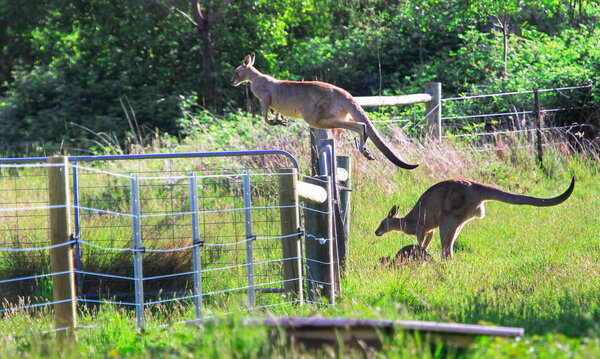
<point>505,43</point>
<point>203,24</point>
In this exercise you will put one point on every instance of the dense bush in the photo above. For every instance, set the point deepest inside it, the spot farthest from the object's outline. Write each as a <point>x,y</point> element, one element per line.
<point>71,69</point>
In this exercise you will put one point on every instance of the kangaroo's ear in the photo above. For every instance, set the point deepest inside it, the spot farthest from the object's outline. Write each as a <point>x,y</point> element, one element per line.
<point>393,212</point>
<point>248,60</point>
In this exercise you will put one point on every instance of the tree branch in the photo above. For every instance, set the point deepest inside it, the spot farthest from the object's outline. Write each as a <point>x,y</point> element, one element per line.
<point>212,17</point>
<point>181,12</point>
<point>196,12</point>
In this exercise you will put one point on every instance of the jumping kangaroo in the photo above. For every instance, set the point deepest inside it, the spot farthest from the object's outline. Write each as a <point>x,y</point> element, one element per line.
<point>449,205</point>
<point>320,104</point>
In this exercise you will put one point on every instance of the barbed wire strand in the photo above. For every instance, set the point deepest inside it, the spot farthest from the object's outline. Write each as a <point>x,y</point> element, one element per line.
<point>510,131</point>
<point>514,93</point>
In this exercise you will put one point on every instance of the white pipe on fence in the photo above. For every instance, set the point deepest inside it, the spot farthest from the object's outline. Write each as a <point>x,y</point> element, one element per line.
<point>311,193</point>
<point>367,101</point>
<point>432,99</point>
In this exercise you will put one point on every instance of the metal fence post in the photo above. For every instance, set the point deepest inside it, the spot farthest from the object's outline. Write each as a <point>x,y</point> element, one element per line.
<point>63,286</point>
<point>249,238</point>
<point>345,162</point>
<point>538,124</point>
<point>138,249</point>
<point>197,260</point>
<point>315,136</point>
<point>78,264</point>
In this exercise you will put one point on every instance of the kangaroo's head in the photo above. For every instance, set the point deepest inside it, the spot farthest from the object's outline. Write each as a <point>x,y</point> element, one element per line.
<point>389,223</point>
<point>245,72</point>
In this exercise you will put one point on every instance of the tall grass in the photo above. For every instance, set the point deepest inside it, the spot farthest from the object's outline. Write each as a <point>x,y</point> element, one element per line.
<point>536,268</point>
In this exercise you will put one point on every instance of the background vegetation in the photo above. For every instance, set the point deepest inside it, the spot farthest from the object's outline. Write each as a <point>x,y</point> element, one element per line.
<point>70,70</point>
<point>132,76</point>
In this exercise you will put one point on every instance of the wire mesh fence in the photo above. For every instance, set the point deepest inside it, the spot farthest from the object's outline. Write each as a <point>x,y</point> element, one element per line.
<point>489,121</point>
<point>505,121</point>
<point>24,259</point>
<point>202,231</point>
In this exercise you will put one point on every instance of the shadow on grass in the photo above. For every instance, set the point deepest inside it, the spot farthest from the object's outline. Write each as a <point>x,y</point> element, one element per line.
<point>572,316</point>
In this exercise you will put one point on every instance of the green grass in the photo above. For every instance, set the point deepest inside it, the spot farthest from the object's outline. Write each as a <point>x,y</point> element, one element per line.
<point>536,268</point>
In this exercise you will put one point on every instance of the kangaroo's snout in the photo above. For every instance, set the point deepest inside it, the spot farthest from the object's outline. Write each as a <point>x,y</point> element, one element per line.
<point>234,81</point>
<point>381,230</point>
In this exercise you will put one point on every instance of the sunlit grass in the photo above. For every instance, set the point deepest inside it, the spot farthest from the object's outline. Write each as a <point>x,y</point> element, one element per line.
<point>536,268</point>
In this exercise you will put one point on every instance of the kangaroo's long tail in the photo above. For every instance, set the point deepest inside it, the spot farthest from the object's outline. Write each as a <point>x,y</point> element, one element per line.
<point>359,115</point>
<point>511,198</point>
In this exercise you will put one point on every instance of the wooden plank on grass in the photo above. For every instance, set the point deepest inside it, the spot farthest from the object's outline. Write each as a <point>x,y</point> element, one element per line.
<point>329,331</point>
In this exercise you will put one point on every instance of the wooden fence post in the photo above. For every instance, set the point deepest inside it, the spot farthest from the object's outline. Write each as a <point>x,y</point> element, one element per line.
<point>63,285</point>
<point>290,225</point>
<point>318,245</point>
<point>434,109</point>
<point>538,123</point>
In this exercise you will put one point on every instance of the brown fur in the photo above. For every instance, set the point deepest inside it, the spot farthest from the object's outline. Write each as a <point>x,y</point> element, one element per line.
<point>405,255</point>
<point>452,203</point>
<point>320,104</point>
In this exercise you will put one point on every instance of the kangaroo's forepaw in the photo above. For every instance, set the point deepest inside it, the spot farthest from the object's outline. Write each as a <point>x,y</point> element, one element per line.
<point>363,149</point>
<point>367,153</point>
<point>279,120</point>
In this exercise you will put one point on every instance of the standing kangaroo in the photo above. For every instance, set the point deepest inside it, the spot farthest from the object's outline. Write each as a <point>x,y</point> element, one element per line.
<point>449,205</point>
<point>320,104</point>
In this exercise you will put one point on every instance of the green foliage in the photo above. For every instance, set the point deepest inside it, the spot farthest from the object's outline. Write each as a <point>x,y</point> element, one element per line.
<point>66,64</point>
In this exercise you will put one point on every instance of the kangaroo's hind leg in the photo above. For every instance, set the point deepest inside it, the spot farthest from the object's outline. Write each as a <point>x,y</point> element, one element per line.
<point>360,142</point>
<point>345,122</point>
<point>449,230</point>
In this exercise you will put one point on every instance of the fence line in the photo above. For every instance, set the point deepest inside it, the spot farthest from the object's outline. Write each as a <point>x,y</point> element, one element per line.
<point>14,309</point>
<point>84,243</point>
<point>515,93</point>
<point>33,277</point>
<point>37,248</point>
<point>427,115</point>
<point>181,177</point>
<point>104,275</point>
<point>437,107</point>
<point>500,114</point>
<point>513,131</point>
